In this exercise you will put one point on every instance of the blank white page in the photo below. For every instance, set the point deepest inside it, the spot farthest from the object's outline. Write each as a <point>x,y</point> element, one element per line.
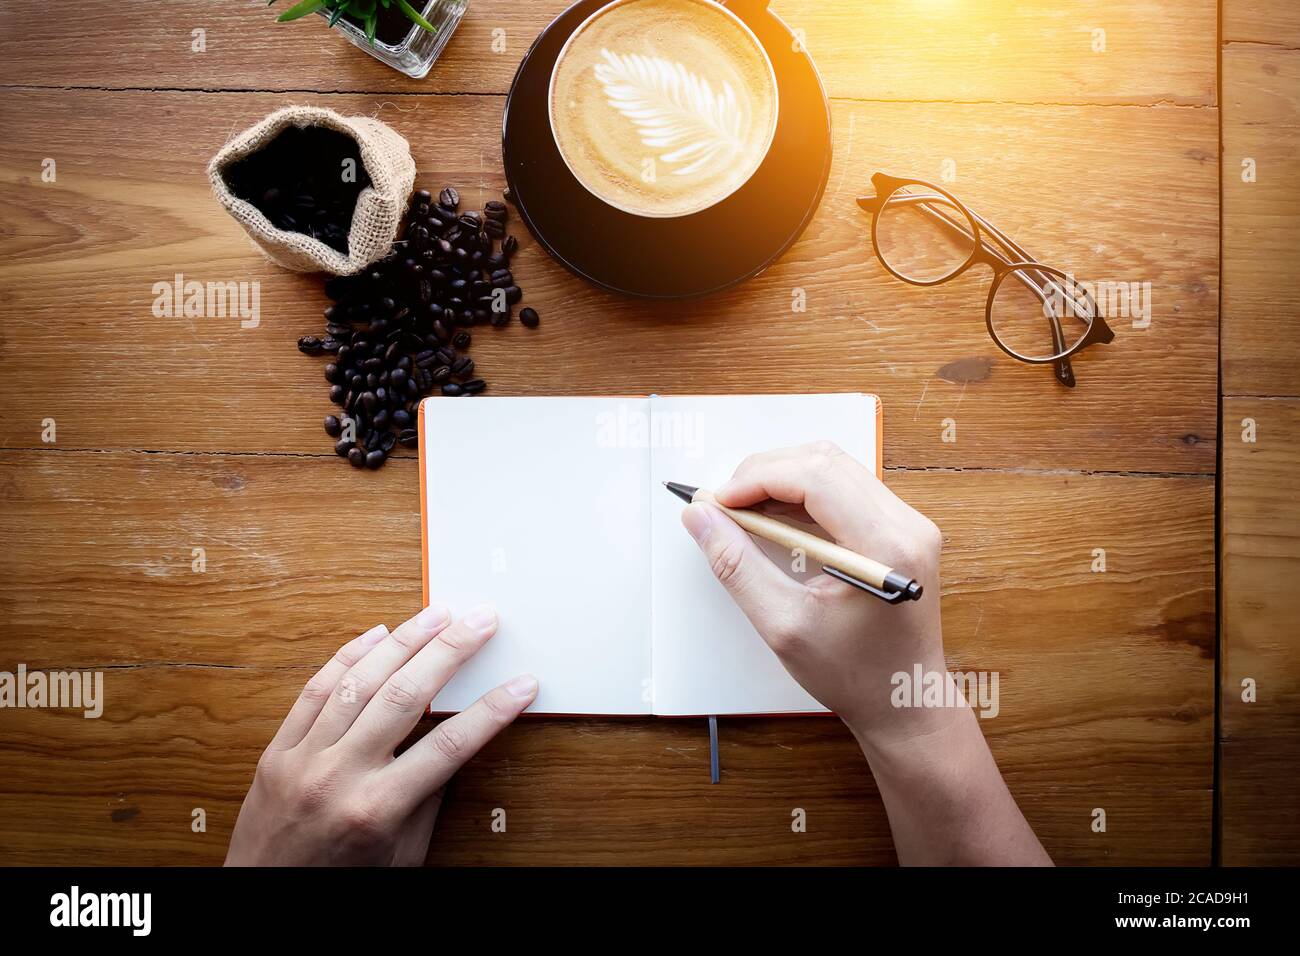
<point>707,657</point>
<point>539,506</point>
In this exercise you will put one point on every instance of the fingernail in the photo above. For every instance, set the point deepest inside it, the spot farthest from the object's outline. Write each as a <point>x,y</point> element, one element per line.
<point>374,635</point>
<point>482,618</point>
<point>432,616</point>
<point>525,685</point>
<point>697,520</point>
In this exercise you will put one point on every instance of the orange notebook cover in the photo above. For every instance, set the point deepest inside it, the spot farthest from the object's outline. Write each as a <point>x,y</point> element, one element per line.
<point>552,510</point>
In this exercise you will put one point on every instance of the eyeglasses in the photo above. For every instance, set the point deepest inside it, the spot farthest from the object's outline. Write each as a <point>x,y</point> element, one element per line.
<point>1035,313</point>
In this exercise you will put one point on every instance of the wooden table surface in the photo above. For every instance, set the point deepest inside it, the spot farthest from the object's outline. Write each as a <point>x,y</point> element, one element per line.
<point>1087,130</point>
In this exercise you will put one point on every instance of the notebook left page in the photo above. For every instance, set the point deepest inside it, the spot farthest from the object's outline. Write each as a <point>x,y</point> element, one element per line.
<point>539,506</point>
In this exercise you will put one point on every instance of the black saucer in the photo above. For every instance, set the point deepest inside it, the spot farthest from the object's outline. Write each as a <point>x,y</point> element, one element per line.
<point>690,255</point>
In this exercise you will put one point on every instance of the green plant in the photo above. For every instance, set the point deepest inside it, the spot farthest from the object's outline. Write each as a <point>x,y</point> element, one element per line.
<point>366,11</point>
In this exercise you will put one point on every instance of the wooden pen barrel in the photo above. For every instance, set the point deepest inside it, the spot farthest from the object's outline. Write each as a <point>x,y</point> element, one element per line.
<point>817,549</point>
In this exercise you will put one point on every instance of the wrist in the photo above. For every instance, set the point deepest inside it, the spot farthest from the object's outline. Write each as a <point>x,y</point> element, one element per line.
<point>922,745</point>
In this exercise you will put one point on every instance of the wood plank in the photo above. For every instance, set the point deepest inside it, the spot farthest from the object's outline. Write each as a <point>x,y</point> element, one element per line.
<point>98,575</point>
<point>1259,604</point>
<point>894,49</point>
<point>81,256</point>
<point>1261,221</point>
<point>1275,22</point>
<point>289,542</point>
<point>122,789</point>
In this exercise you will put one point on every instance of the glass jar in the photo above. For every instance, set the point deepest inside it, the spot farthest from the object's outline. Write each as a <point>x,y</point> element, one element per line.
<point>415,52</point>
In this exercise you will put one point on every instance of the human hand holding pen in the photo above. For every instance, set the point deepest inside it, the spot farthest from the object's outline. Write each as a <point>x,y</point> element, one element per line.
<point>946,800</point>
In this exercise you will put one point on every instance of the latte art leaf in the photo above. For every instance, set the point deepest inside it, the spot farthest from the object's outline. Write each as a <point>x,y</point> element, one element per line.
<point>674,109</point>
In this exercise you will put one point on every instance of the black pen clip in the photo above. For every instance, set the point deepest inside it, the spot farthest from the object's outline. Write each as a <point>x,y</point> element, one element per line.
<point>910,591</point>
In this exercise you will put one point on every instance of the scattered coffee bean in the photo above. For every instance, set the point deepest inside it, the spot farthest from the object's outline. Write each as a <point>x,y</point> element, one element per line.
<point>398,332</point>
<point>529,317</point>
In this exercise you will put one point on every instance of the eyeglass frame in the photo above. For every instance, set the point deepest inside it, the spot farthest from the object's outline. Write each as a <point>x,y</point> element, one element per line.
<point>1001,264</point>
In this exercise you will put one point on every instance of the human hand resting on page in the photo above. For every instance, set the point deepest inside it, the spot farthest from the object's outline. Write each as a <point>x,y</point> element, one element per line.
<point>946,800</point>
<point>328,789</point>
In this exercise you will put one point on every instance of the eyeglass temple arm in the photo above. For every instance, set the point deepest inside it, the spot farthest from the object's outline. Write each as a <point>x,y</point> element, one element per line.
<point>1064,371</point>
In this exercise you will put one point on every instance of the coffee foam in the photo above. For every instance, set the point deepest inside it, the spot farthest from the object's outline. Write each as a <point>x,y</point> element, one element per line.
<point>663,107</point>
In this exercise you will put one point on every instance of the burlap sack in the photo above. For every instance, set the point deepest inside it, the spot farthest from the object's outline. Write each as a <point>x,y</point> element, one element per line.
<point>380,206</point>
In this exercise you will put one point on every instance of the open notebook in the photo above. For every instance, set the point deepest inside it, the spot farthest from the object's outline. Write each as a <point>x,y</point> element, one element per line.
<point>553,510</point>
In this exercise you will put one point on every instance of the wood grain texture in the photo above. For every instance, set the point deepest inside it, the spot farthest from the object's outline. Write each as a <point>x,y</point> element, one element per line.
<point>617,792</point>
<point>1261,221</point>
<point>895,49</point>
<point>1274,22</point>
<point>1259,606</point>
<point>80,260</point>
<point>200,668</point>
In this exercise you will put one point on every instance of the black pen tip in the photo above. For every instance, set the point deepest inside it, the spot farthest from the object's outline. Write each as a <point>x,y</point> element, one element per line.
<point>685,492</point>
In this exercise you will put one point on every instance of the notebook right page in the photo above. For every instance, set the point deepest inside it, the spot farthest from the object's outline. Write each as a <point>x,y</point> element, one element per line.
<point>706,657</point>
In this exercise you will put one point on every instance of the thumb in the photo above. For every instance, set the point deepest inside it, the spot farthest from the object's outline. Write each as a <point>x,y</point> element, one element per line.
<point>766,595</point>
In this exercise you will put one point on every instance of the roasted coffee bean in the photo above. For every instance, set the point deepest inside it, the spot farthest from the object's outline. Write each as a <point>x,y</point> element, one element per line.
<point>397,330</point>
<point>309,345</point>
<point>333,427</point>
<point>376,458</point>
<point>408,438</point>
<point>423,195</point>
<point>529,317</point>
<point>341,448</point>
<point>356,457</point>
